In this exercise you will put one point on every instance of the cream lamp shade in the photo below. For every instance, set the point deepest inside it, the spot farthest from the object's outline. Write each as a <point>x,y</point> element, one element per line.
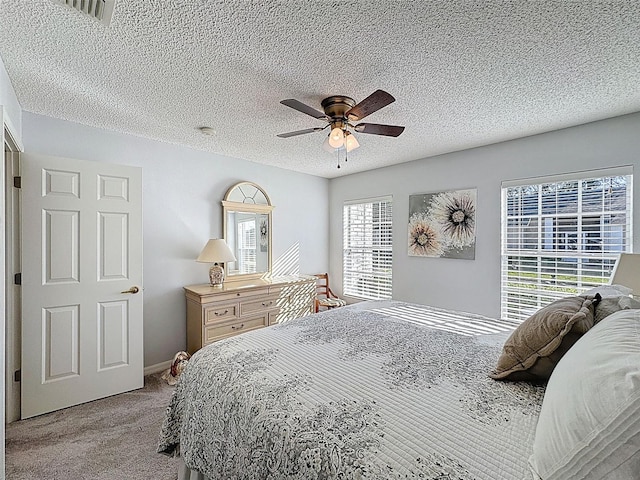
<point>351,141</point>
<point>216,251</point>
<point>627,272</point>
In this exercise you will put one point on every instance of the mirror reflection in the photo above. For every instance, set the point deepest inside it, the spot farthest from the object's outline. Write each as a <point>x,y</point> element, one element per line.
<point>247,236</point>
<point>247,230</point>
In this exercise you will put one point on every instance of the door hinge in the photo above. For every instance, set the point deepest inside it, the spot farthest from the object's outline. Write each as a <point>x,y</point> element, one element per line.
<point>17,279</point>
<point>17,376</point>
<point>17,182</point>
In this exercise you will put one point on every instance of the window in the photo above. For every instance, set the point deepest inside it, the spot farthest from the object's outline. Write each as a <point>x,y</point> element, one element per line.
<point>562,236</point>
<point>367,254</point>
<point>247,244</point>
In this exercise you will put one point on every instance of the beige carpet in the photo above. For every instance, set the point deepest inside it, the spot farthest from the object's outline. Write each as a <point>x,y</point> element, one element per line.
<point>110,439</point>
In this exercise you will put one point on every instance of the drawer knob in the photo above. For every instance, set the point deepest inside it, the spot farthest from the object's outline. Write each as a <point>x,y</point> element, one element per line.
<point>267,304</point>
<point>222,313</point>
<point>237,327</point>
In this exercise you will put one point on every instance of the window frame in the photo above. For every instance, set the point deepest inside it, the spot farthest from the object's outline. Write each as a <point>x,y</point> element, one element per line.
<point>371,276</point>
<point>538,270</point>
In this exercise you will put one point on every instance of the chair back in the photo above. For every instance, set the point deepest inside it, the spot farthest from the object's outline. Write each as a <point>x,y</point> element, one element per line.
<point>325,298</point>
<point>322,285</point>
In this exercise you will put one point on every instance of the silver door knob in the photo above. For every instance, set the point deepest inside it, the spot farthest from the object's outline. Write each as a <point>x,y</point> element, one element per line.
<point>133,289</point>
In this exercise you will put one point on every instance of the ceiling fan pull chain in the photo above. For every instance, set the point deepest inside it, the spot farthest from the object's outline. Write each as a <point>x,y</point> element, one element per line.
<point>338,156</point>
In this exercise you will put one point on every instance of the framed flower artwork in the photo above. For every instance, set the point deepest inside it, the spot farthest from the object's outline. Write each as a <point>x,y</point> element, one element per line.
<point>443,224</point>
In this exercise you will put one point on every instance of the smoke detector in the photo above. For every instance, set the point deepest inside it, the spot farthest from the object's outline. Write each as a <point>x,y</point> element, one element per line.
<point>208,131</point>
<point>101,10</point>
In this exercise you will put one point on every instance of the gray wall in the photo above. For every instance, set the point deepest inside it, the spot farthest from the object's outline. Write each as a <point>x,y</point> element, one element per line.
<point>182,191</point>
<point>474,285</point>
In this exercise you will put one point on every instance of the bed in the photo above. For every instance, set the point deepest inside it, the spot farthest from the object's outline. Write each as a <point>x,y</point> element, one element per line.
<point>393,390</point>
<point>376,390</point>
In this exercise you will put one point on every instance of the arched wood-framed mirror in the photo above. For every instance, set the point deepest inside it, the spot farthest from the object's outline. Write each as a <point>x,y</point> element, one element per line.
<point>247,230</point>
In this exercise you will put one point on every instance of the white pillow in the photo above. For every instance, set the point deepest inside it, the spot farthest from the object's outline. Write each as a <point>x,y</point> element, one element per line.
<point>589,425</point>
<point>607,291</point>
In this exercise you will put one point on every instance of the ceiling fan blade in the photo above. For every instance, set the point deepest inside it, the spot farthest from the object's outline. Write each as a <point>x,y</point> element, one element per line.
<point>378,129</point>
<point>372,103</point>
<point>301,107</point>
<point>300,132</point>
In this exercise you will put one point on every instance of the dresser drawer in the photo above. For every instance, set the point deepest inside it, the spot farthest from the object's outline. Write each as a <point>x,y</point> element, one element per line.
<point>239,295</point>
<point>220,313</point>
<point>217,332</point>
<point>248,307</point>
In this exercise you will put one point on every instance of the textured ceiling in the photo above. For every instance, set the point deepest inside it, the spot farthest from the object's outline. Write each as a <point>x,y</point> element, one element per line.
<point>464,73</point>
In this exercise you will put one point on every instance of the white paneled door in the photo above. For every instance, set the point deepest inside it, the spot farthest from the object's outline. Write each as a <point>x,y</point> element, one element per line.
<point>81,282</point>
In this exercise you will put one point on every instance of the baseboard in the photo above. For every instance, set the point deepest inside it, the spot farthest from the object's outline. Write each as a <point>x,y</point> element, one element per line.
<point>158,367</point>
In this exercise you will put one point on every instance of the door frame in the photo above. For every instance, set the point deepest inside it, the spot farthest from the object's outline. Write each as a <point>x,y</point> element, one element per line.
<point>11,147</point>
<point>11,196</point>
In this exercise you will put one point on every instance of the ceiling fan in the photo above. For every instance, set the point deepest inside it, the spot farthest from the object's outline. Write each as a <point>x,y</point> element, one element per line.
<point>339,113</point>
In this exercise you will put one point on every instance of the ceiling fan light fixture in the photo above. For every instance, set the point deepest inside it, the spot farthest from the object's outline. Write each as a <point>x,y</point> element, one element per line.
<point>351,141</point>
<point>336,138</point>
<point>327,146</point>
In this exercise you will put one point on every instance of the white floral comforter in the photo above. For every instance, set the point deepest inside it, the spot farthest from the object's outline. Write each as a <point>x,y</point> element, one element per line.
<point>378,390</point>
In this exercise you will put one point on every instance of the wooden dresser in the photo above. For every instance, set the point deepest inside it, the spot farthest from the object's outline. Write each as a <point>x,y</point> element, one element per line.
<point>214,313</point>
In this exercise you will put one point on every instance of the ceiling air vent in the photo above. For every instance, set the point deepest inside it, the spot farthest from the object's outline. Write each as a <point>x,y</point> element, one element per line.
<point>101,10</point>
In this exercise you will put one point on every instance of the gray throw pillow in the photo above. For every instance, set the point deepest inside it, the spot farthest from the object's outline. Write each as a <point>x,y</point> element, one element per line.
<point>535,347</point>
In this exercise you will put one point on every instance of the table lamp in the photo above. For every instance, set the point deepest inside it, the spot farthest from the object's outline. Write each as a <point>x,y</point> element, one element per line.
<point>626,272</point>
<point>216,251</point>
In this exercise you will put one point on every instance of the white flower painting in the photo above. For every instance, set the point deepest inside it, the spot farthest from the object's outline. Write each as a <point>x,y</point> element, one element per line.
<point>443,224</point>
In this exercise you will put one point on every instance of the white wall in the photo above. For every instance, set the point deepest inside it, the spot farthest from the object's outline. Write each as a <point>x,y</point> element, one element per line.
<point>474,285</point>
<point>182,191</point>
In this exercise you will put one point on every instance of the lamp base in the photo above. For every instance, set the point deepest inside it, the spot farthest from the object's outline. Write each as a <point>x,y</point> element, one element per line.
<point>216,275</point>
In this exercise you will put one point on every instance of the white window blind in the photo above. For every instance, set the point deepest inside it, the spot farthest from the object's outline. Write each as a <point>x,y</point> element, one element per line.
<point>367,254</point>
<point>247,246</point>
<point>562,236</point>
